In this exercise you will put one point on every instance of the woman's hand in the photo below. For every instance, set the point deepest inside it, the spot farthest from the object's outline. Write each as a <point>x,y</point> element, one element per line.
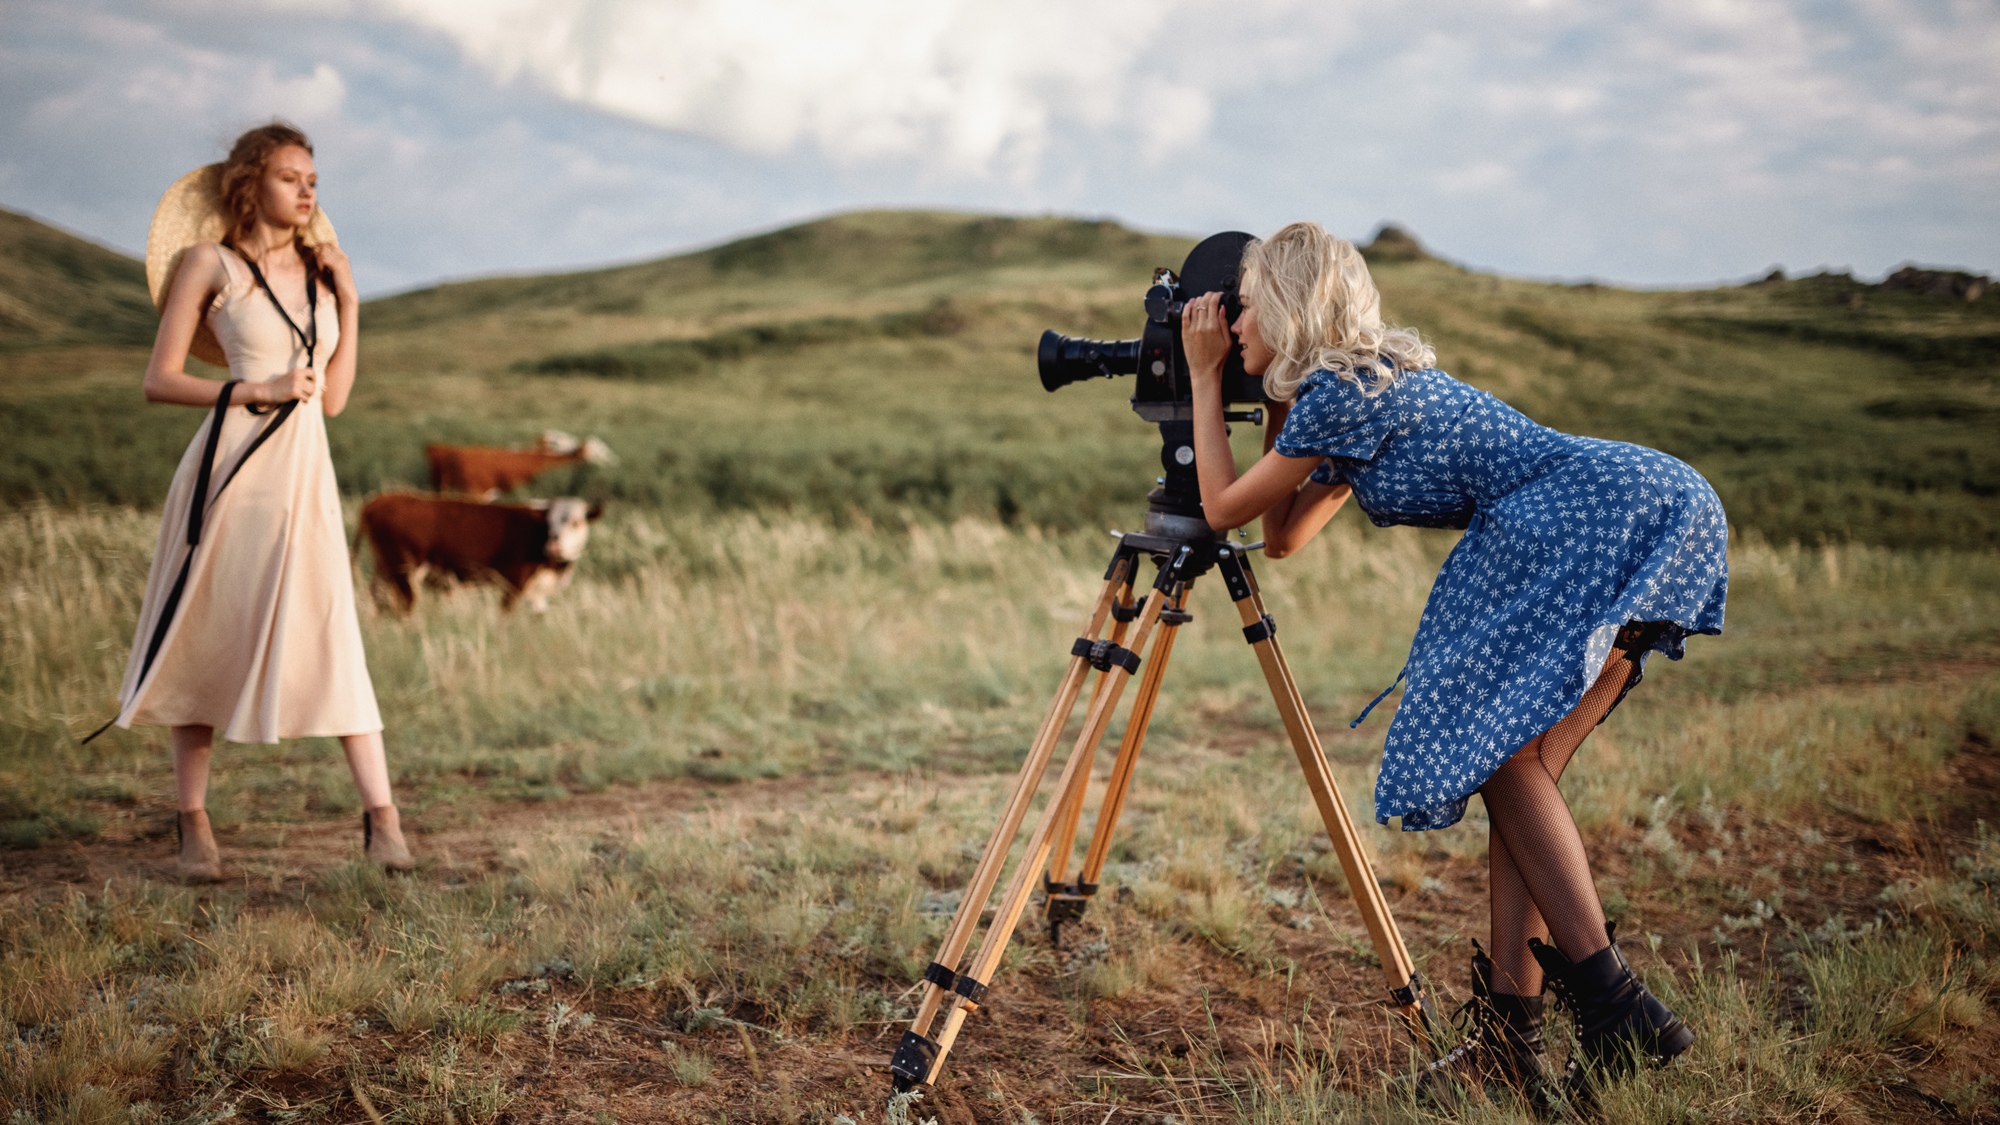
<point>334,259</point>
<point>296,385</point>
<point>1205,336</point>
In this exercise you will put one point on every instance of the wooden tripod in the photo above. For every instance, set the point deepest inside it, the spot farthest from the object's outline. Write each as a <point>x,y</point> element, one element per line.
<point>953,985</point>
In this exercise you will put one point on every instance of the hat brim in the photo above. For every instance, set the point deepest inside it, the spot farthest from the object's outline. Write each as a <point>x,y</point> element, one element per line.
<point>189,214</point>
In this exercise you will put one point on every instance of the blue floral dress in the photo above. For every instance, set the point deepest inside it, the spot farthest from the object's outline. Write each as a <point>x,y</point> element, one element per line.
<point>1567,539</point>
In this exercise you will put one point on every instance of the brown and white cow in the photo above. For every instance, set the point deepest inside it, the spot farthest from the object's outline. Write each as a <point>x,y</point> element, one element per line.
<point>487,471</point>
<point>527,549</point>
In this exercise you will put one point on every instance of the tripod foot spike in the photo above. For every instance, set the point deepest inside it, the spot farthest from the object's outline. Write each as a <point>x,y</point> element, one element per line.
<point>912,1062</point>
<point>1066,903</point>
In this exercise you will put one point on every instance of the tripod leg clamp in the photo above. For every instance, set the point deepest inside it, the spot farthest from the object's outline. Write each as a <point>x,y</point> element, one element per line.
<point>1103,654</point>
<point>912,1062</point>
<point>1263,630</point>
<point>952,981</point>
<point>973,991</point>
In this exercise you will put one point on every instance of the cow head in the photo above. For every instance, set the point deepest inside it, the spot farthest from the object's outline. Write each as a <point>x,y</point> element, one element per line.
<point>597,453</point>
<point>555,443</point>
<point>569,528</point>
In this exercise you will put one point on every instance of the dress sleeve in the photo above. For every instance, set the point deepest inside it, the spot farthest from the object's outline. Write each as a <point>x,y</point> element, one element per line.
<point>1331,417</point>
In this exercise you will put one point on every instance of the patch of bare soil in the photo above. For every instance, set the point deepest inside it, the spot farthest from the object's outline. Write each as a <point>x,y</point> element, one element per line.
<point>273,861</point>
<point>1036,1045</point>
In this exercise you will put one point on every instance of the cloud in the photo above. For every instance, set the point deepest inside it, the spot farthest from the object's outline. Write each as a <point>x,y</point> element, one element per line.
<point>99,103</point>
<point>967,88</point>
<point>1655,141</point>
<point>427,170</point>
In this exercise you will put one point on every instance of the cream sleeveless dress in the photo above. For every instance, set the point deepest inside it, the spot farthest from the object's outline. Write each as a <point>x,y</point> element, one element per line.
<point>265,644</point>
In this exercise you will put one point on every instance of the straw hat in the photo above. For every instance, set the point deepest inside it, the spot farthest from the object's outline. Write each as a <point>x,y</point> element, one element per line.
<point>188,215</point>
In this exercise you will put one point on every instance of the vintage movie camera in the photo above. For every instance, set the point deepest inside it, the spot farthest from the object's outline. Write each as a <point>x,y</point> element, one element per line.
<point>1163,393</point>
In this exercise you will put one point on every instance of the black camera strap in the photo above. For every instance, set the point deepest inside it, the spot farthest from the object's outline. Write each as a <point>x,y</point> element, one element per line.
<point>199,505</point>
<point>308,337</point>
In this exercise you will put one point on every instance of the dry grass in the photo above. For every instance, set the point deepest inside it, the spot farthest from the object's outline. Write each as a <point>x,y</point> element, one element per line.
<point>749,649</point>
<point>720,650</point>
<point>894,676</point>
<point>806,927</point>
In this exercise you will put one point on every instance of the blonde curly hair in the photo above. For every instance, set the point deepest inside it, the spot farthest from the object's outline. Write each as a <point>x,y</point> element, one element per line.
<point>1318,309</point>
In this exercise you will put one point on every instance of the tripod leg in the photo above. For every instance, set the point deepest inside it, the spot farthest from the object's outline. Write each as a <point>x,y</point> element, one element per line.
<point>1064,843</point>
<point>1405,985</point>
<point>1068,908</point>
<point>941,974</point>
<point>972,983</point>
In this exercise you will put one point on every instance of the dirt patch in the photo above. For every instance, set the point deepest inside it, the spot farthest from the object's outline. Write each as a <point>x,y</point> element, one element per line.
<point>1041,1044</point>
<point>277,858</point>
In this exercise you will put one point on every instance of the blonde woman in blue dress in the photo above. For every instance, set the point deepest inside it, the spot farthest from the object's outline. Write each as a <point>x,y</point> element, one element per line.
<point>1580,557</point>
<point>251,629</point>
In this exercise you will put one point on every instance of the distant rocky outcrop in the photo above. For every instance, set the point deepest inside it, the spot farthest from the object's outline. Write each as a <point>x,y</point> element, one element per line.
<point>1394,244</point>
<point>1939,283</point>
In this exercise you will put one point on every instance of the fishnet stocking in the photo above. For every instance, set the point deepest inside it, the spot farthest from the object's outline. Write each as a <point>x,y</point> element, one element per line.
<point>1550,895</point>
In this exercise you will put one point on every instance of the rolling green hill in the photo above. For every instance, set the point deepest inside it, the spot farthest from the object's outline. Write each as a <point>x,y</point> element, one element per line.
<point>879,366</point>
<point>56,288</point>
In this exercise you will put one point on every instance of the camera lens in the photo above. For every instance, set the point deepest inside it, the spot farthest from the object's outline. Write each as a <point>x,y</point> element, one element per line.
<point>1067,359</point>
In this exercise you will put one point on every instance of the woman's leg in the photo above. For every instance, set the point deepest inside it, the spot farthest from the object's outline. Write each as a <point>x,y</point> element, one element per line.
<point>1535,815</point>
<point>370,764</point>
<point>1512,920</point>
<point>199,861</point>
<point>381,824</point>
<point>192,746</point>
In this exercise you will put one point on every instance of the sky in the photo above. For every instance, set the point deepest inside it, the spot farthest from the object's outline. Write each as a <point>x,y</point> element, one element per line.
<point>1680,142</point>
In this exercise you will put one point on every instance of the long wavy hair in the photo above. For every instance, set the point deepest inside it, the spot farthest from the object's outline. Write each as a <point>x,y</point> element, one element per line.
<point>243,182</point>
<point>1318,309</point>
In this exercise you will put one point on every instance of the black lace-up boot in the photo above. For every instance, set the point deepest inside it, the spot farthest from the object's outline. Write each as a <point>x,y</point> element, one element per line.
<point>1618,1022</point>
<point>1502,1045</point>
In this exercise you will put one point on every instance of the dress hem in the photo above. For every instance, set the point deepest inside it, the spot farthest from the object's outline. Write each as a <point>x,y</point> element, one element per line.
<point>227,737</point>
<point>1430,818</point>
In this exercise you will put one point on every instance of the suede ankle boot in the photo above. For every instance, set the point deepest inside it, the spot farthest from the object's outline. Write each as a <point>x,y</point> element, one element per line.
<point>1618,1022</point>
<point>199,861</point>
<point>1503,1046</point>
<point>382,839</point>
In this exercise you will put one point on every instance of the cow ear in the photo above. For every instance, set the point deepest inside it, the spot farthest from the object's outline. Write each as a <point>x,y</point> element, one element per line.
<point>596,510</point>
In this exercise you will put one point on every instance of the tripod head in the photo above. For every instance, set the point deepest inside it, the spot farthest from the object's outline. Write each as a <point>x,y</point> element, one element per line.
<point>1163,393</point>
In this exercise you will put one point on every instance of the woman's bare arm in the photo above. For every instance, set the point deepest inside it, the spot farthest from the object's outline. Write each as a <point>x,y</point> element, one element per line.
<point>196,283</point>
<point>1295,518</point>
<point>1305,512</point>
<point>1228,500</point>
<point>340,365</point>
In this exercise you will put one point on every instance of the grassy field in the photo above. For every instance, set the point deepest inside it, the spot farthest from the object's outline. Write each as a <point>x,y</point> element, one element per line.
<point>688,838</point>
<point>687,848</point>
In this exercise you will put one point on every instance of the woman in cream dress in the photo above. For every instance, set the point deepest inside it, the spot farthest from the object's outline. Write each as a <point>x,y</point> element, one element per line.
<point>263,643</point>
